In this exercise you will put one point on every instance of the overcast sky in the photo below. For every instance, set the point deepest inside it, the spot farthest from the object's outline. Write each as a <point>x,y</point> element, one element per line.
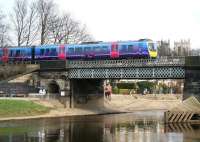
<point>110,20</point>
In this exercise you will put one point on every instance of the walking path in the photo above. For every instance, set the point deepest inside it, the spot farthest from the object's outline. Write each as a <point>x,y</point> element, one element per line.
<point>119,103</point>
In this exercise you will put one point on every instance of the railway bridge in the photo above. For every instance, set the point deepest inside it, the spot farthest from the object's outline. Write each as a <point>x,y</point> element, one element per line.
<point>79,79</point>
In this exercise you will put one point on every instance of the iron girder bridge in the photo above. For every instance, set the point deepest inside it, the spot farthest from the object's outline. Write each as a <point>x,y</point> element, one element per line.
<point>172,68</point>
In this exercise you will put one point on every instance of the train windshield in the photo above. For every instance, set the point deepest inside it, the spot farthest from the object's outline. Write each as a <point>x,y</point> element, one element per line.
<point>151,46</point>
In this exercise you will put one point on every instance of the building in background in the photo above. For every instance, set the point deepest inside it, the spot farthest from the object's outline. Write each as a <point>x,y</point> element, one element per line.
<point>164,48</point>
<point>182,48</point>
<point>195,52</point>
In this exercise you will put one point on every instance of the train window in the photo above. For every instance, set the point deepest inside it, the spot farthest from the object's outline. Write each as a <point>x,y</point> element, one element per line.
<point>11,53</point>
<point>1,53</point>
<point>130,48</point>
<point>41,52</point>
<point>123,48</point>
<point>53,52</point>
<point>22,52</point>
<point>47,51</point>
<point>151,47</point>
<point>71,50</point>
<point>97,48</point>
<point>17,53</point>
<point>78,50</point>
<point>104,48</point>
<point>87,49</point>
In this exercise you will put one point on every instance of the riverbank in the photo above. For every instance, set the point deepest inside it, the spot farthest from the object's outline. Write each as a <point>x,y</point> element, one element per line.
<point>18,108</point>
<point>118,104</point>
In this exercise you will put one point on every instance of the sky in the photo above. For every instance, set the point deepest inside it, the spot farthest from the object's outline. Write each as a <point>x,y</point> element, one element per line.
<point>113,20</point>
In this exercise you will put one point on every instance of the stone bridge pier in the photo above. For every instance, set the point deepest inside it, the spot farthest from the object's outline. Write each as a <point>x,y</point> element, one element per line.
<point>192,77</point>
<point>56,84</point>
<point>77,92</point>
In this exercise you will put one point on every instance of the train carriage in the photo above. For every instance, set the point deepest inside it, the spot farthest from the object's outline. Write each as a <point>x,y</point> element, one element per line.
<point>88,51</point>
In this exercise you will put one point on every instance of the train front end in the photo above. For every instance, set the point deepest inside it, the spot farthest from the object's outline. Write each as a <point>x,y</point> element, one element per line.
<point>152,49</point>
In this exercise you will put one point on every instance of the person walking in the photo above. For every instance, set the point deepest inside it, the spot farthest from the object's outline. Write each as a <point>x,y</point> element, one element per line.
<point>108,91</point>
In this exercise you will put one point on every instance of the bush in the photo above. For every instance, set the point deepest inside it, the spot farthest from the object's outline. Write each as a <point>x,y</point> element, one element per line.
<point>126,85</point>
<point>115,90</point>
<point>124,91</point>
<point>146,85</point>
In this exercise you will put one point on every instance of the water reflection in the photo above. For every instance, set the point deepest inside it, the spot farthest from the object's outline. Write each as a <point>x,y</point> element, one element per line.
<point>134,127</point>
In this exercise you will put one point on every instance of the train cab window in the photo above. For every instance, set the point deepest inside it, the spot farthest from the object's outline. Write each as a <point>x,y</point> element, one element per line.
<point>87,49</point>
<point>78,50</point>
<point>41,52</point>
<point>71,50</point>
<point>130,48</point>
<point>151,47</point>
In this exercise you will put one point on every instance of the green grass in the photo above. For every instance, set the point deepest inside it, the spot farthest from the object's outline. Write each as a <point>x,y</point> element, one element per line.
<point>15,108</point>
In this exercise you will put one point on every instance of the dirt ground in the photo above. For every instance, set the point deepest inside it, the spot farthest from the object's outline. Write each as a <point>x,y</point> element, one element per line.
<point>118,103</point>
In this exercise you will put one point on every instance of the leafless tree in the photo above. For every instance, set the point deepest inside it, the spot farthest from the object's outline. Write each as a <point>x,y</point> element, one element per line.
<point>18,17</point>
<point>24,19</point>
<point>66,30</point>
<point>40,19</point>
<point>45,9</point>
<point>4,37</point>
<point>32,24</point>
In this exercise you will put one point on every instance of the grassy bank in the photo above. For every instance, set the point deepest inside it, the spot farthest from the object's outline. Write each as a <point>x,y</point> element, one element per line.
<point>15,108</point>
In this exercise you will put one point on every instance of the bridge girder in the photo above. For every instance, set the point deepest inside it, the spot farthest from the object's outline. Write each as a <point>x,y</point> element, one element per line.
<point>128,73</point>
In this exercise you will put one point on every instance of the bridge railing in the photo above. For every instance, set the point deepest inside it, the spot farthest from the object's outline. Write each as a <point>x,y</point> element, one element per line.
<point>177,61</point>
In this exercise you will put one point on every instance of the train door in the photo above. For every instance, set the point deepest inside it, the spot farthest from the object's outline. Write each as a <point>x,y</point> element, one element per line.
<point>5,55</point>
<point>114,50</point>
<point>61,52</point>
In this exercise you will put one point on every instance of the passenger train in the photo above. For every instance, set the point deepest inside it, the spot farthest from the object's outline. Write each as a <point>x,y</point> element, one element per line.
<point>144,48</point>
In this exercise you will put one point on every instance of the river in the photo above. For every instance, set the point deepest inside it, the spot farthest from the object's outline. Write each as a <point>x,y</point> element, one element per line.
<point>141,126</point>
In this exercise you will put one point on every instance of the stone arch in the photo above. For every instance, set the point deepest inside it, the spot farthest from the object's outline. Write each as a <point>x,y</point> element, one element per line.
<point>53,87</point>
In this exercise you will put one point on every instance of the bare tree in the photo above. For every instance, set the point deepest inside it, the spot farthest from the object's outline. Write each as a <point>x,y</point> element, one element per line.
<point>4,37</point>
<point>32,24</point>
<point>18,17</point>
<point>66,30</point>
<point>25,22</point>
<point>45,9</point>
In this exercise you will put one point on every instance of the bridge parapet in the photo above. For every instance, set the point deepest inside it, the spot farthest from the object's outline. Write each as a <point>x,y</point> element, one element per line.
<point>161,62</point>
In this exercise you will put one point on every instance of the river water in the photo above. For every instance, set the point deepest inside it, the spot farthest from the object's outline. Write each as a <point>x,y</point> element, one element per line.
<point>144,126</point>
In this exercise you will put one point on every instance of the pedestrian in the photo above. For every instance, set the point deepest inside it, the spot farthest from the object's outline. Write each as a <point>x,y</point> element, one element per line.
<point>108,91</point>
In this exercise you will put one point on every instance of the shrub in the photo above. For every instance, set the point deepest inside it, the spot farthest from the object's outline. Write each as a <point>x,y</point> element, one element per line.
<point>124,91</point>
<point>126,85</point>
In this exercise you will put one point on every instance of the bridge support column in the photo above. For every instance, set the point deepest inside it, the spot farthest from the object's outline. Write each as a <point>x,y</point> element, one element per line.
<point>192,84</point>
<point>86,93</point>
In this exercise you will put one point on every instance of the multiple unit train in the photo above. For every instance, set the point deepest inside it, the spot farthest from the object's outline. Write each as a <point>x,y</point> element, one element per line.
<point>86,51</point>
